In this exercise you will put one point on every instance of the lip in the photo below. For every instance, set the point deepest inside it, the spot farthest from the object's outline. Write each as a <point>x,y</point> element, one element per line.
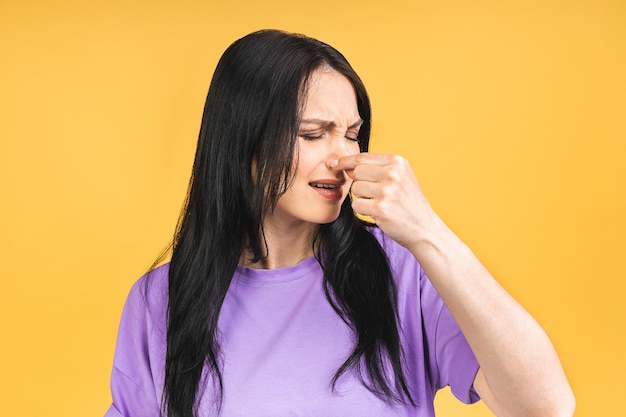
<point>331,189</point>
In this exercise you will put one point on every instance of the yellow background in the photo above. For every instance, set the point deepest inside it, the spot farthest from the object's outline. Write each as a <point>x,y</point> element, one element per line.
<point>511,113</point>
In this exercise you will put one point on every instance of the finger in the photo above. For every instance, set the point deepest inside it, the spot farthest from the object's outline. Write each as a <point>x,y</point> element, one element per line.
<point>372,173</point>
<point>364,189</point>
<point>364,207</point>
<point>350,162</point>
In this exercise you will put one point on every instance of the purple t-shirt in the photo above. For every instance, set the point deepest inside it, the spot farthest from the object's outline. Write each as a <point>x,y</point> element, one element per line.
<point>282,343</point>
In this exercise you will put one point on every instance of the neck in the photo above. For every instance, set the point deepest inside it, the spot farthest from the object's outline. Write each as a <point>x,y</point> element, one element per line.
<point>285,246</point>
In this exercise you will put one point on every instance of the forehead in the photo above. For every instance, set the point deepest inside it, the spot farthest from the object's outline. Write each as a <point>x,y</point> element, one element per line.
<point>329,91</point>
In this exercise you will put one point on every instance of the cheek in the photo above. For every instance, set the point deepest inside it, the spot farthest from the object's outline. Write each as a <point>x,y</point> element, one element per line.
<point>308,161</point>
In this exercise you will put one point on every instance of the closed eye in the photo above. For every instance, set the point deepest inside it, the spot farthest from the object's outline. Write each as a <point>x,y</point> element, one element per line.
<point>310,136</point>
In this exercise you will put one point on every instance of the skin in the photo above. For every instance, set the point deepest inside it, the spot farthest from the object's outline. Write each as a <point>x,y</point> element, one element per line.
<point>329,128</point>
<point>520,373</point>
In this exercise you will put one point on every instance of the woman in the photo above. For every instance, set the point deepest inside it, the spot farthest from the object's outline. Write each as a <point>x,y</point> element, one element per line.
<point>280,301</point>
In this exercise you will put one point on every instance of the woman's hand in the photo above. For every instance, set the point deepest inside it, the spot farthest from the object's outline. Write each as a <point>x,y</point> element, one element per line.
<point>386,189</point>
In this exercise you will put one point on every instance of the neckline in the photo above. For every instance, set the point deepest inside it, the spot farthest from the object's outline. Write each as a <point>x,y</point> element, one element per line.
<point>301,270</point>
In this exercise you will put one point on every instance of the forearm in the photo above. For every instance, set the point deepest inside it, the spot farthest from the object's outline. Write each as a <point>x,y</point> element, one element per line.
<point>519,363</point>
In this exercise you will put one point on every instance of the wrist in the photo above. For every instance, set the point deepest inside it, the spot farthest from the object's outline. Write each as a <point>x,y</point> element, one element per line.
<point>438,244</point>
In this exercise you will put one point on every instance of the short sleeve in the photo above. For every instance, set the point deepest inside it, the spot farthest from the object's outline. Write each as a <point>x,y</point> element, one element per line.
<point>451,361</point>
<point>457,366</point>
<point>137,364</point>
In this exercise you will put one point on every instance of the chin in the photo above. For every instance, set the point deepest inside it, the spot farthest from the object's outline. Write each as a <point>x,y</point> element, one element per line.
<point>329,219</point>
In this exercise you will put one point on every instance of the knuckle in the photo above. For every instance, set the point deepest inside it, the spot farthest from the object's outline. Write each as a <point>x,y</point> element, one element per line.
<point>394,175</point>
<point>396,160</point>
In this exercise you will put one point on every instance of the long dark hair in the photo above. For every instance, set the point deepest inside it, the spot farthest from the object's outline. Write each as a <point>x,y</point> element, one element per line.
<point>252,111</point>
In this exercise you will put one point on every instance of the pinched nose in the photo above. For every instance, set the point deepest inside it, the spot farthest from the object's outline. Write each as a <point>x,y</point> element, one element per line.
<point>341,148</point>
<point>330,162</point>
<point>347,174</point>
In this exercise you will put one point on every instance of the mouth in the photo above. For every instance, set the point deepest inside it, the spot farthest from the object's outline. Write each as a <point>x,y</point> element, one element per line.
<point>324,186</point>
<point>330,189</point>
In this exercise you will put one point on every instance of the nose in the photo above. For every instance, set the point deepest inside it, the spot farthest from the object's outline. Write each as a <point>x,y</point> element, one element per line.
<point>339,147</point>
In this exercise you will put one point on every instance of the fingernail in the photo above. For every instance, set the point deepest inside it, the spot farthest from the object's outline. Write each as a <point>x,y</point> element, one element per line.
<point>334,163</point>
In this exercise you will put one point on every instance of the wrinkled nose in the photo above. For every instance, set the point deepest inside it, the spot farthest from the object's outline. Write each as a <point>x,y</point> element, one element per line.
<point>341,147</point>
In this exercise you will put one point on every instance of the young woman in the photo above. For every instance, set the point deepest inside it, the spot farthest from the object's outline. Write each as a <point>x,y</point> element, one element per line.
<point>280,301</point>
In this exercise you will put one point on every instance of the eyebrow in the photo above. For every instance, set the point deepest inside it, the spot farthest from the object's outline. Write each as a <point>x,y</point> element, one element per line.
<point>330,124</point>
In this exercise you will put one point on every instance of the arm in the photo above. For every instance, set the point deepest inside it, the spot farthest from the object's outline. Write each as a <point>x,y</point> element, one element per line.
<point>520,373</point>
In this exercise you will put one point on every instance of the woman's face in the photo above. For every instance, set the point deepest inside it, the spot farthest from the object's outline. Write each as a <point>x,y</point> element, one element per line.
<point>329,129</point>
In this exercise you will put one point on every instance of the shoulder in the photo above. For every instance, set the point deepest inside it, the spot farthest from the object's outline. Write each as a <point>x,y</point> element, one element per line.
<point>154,282</point>
<point>388,244</point>
<point>401,260</point>
<point>412,283</point>
<point>144,317</point>
<point>149,294</point>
